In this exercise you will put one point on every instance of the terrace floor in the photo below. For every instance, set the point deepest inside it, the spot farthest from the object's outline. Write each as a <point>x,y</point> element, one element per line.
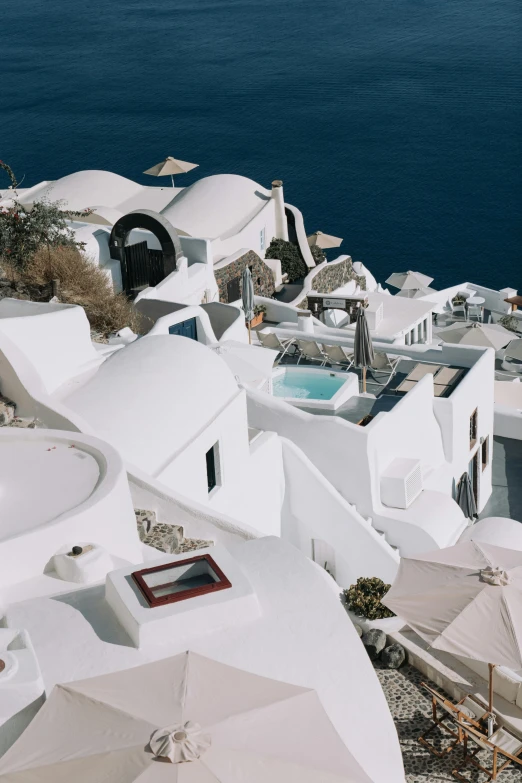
<point>411,709</point>
<point>506,498</point>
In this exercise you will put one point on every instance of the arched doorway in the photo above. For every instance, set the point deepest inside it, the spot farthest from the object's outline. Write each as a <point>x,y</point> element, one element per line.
<point>141,266</point>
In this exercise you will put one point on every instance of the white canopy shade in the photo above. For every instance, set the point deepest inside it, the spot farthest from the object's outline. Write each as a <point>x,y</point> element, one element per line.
<point>514,350</point>
<point>324,241</point>
<point>169,167</point>
<point>185,719</point>
<point>251,364</point>
<point>465,600</point>
<point>417,293</point>
<point>409,281</point>
<point>486,335</point>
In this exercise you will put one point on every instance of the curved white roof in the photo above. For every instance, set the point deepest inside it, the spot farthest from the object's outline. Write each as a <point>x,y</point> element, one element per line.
<point>217,206</point>
<point>152,397</point>
<point>86,189</point>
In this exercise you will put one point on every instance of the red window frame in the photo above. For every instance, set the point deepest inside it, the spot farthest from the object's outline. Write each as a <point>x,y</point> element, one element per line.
<point>154,601</point>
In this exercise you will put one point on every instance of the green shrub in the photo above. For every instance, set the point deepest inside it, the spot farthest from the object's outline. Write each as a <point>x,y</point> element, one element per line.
<point>289,254</point>
<point>364,598</point>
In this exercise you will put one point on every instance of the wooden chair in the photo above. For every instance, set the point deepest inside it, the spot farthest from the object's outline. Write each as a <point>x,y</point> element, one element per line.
<point>454,717</point>
<point>502,744</point>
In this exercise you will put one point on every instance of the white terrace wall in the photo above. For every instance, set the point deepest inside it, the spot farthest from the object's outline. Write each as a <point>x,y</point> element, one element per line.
<point>313,509</point>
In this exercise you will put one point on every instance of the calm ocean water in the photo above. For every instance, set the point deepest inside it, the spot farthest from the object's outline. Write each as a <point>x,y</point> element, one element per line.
<point>396,125</point>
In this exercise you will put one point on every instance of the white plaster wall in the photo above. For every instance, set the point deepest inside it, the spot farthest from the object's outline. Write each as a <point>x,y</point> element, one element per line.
<point>55,339</point>
<point>249,235</point>
<point>105,518</point>
<point>314,510</point>
<point>249,486</point>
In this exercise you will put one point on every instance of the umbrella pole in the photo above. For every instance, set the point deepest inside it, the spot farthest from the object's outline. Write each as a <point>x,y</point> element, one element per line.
<point>249,334</point>
<point>491,667</point>
<point>364,380</point>
<point>172,180</point>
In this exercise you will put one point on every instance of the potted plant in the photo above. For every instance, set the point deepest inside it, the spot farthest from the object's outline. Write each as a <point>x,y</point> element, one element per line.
<point>363,604</point>
<point>259,314</point>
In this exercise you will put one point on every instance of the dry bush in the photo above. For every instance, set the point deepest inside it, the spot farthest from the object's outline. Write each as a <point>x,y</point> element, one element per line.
<point>82,282</point>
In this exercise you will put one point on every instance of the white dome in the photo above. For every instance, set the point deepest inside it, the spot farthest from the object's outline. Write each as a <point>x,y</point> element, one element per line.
<point>217,206</point>
<point>152,397</point>
<point>87,188</point>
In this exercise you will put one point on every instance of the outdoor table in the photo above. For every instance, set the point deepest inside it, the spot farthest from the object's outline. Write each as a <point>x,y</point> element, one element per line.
<point>475,300</point>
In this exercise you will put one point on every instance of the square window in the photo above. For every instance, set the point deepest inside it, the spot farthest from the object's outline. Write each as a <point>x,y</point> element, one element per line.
<point>213,467</point>
<point>171,582</point>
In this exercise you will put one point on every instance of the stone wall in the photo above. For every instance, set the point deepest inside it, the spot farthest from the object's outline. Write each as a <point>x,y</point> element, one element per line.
<point>262,276</point>
<point>334,276</point>
<point>18,290</point>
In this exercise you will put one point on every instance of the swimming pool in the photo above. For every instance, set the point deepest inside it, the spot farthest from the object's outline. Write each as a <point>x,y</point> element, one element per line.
<point>313,387</point>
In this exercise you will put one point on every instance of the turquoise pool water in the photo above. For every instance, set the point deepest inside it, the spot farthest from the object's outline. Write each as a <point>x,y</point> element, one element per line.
<point>306,384</point>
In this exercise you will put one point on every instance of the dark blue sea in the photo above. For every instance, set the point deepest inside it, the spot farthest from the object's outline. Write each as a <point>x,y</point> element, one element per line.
<point>396,124</point>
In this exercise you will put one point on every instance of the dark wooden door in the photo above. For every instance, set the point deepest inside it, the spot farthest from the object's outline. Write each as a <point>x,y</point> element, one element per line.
<point>141,268</point>
<point>234,289</point>
<point>185,329</point>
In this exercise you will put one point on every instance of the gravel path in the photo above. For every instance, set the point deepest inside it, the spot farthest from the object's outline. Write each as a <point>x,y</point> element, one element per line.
<point>411,708</point>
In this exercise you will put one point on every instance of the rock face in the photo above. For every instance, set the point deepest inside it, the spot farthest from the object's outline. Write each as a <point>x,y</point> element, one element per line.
<point>375,641</point>
<point>7,411</point>
<point>165,537</point>
<point>393,656</point>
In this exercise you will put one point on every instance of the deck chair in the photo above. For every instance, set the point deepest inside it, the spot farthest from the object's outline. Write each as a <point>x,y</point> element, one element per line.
<point>271,340</point>
<point>505,747</point>
<point>338,355</point>
<point>382,363</point>
<point>312,351</point>
<point>468,711</point>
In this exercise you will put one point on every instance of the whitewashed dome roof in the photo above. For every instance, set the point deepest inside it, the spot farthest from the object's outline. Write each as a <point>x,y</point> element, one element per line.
<point>87,188</point>
<point>217,206</point>
<point>151,398</point>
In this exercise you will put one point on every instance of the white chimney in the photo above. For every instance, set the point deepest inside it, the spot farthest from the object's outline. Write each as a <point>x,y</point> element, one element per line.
<point>281,225</point>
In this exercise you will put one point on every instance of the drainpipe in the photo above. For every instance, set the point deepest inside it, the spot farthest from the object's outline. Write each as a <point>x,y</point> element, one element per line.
<point>281,225</point>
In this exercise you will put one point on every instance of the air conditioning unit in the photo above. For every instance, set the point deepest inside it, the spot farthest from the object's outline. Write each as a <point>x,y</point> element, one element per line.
<point>401,483</point>
<point>374,315</point>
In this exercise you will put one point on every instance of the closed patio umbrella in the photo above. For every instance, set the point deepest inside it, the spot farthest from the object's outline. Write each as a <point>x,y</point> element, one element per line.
<point>169,167</point>
<point>324,241</point>
<point>184,719</point>
<point>465,497</point>
<point>465,600</point>
<point>247,297</point>
<point>362,348</point>
<point>409,281</point>
<point>487,335</point>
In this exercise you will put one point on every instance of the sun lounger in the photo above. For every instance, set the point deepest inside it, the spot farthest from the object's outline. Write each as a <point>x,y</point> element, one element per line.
<point>452,719</point>
<point>338,355</point>
<point>447,376</point>
<point>271,340</point>
<point>505,747</point>
<point>422,369</point>
<point>405,386</point>
<point>383,363</point>
<point>312,351</point>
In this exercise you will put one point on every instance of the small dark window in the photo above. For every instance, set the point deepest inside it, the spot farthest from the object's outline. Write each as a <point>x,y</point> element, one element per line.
<point>473,427</point>
<point>171,582</point>
<point>212,459</point>
<point>485,453</point>
<point>234,289</point>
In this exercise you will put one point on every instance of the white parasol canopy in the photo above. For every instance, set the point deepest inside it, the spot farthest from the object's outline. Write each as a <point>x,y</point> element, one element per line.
<point>169,167</point>
<point>465,600</point>
<point>185,719</point>
<point>324,241</point>
<point>251,364</point>
<point>514,350</point>
<point>409,281</point>
<point>486,335</point>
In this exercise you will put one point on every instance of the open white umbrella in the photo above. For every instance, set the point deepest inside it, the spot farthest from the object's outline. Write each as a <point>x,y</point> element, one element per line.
<point>465,600</point>
<point>418,293</point>
<point>324,241</point>
<point>169,167</point>
<point>514,350</point>
<point>486,335</point>
<point>185,719</point>
<point>409,281</point>
<point>251,364</point>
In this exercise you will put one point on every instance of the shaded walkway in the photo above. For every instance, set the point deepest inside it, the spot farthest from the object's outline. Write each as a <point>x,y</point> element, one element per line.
<point>506,499</point>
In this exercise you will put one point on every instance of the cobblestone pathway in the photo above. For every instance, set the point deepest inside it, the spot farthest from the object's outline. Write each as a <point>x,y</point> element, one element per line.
<point>411,709</point>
